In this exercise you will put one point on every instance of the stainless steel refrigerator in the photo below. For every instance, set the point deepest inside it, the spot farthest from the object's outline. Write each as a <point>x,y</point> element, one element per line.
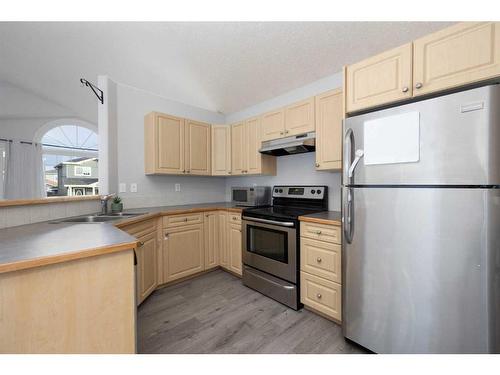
<point>421,225</point>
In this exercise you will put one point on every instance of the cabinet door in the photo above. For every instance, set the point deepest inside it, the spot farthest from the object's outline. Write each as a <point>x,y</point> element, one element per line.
<point>299,117</point>
<point>329,115</point>
<point>273,124</point>
<point>183,253</point>
<point>197,148</point>
<point>169,144</point>
<point>223,239</point>
<point>147,266</point>
<point>458,55</point>
<point>380,79</point>
<point>211,240</point>
<point>253,139</point>
<point>235,259</point>
<point>221,150</point>
<point>238,149</point>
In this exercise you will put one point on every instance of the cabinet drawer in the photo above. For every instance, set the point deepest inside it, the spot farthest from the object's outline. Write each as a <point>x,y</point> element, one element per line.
<point>173,221</point>
<point>320,258</point>
<point>328,233</point>
<point>322,295</point>
<point>141,229</point>
<point>234,218</point>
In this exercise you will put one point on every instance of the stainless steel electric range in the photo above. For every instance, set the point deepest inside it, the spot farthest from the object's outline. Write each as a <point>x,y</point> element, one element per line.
<point>271,246</point>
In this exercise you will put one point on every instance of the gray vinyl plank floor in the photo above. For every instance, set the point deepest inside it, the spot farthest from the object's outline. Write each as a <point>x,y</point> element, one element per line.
<point>216,313</point>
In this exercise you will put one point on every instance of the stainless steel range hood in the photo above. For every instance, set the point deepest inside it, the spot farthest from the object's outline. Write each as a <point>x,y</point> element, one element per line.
<point>296,144</point>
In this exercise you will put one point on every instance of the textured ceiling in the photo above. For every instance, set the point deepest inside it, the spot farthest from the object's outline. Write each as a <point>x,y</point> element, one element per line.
<point>217,66</point>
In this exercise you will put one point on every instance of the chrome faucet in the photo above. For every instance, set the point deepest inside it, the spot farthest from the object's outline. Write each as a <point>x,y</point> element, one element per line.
<point>104,203</point>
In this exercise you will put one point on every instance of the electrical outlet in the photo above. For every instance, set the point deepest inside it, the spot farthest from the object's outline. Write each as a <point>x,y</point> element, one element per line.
<point>177,187</point>
<point>133,187</point>
<point>122,188</point>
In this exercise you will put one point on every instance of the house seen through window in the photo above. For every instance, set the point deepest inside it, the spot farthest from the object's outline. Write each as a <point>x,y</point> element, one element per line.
<point>70,161</point>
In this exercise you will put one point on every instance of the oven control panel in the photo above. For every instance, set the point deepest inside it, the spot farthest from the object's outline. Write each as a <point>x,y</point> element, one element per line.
<point>304,192</point>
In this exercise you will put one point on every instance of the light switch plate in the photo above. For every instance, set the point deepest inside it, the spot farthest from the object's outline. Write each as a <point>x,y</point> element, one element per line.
<point>177,187</point>
<point>122,188</point>
<point>133,187</point>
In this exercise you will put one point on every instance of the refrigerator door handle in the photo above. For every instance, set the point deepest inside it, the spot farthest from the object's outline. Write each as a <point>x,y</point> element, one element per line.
<point>348,216</point>
<point>359,155</point>
<point>348,145</point>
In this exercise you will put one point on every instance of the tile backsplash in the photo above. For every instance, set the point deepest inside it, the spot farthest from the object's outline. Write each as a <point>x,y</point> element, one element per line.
<point>20,215</point>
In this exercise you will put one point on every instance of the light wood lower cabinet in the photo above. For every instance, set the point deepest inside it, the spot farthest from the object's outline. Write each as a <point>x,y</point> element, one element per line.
<point>183,251</point>
<point>320,268</point>
<point>460,54</point>
<point>235,248</point>
<point>212,240</point>
<point>147,266</point>
<point>329,116</point>
<point>223,239</point>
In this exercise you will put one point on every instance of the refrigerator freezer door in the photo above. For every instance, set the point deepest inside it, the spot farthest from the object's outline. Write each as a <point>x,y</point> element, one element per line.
<point>422,270</point>
<point>459,139</point>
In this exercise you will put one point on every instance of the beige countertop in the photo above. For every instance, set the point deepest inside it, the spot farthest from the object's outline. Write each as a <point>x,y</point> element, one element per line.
<point>39,244</point>
<point>325,217</point>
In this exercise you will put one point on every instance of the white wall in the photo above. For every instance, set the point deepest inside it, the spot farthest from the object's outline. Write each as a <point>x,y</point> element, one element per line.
<point>132,105</point>
<point>294,170</point>
<point>314,88</point>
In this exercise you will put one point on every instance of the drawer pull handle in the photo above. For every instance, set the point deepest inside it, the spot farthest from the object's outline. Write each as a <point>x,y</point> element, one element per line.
<point>318,296</point>
<point>318,259</point>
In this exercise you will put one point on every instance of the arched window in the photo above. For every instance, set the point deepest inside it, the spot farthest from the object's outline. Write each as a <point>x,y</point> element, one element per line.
<point>70,158</point>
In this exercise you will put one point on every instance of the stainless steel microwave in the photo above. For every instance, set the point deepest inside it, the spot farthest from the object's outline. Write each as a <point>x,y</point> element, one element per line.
<point>251,196</point>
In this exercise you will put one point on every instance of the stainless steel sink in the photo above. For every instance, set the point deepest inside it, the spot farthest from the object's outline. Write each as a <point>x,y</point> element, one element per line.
<point>100,218</point>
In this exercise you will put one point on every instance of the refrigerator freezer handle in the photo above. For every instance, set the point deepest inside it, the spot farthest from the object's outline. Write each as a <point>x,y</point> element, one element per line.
<point>348,215</point>
<point>359,155</point>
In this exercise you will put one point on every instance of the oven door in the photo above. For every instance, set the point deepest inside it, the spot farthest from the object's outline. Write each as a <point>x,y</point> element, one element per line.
<point>271,246</point>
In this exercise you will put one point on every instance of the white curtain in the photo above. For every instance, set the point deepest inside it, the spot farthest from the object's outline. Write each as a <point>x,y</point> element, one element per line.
<point>24,178</point>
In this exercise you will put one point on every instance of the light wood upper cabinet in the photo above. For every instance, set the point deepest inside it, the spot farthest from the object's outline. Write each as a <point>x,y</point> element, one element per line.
<point>273,124</point>
<point>163,144</point>
<point>235,248</point>
<point>380,79</point>
<point>183,251</point>
<point>211,230</point>
<point>238,148</point>
<point>245,144</point>
<point>460,54</point>
<point>147,266</point>
<point>197,146</point>
<point>329,115</point>
<point>223,230</point>
<point>253,139</point>
<point>221,150</point>
<point>299,117</point>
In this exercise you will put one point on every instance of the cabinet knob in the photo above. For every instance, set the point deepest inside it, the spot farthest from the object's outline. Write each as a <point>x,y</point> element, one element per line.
<point>166,236</point>
<point>405,89</point>
<point>318,232</point>
<point>188,171</point>
<point>229,172</point>
<point>418,85</point>
<point>317,165</point>
<point>318,296</point>
<point>318,259</point>
<point>186,219</point>
<point>141,244</point>
<point>281,133</point>
<point>286,131</point>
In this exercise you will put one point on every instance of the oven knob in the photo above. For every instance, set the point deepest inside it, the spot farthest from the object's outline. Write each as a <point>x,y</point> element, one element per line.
<point>319,191</point>
<point>275,190</point>
<point>281,190</point>
<point>313,191</point>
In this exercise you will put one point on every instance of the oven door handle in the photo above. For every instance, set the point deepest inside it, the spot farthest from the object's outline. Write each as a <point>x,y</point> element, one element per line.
<point>265,221</point>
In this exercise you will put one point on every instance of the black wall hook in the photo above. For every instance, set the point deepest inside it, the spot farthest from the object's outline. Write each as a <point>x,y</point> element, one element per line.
<point>97,91</point>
